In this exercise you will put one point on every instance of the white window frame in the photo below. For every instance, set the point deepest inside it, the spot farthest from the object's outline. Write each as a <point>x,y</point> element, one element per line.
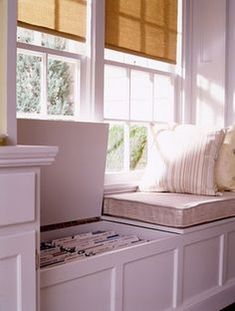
<point>92,77</point>
<point>45,53</point>
<point>115,182</point>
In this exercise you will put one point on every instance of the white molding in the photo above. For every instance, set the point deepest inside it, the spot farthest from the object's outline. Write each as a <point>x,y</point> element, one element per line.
<point>187,111</point>
<point>119,188</point>
<point>41,49</point>
<point>229,113</point>
<point>15,156</point>
<point>188,230</point>
<point>8,16</point>
<point>93,109</point>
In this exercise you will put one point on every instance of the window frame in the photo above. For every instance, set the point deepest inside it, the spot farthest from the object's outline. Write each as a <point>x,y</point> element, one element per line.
<point>92,77</point>
<point>45,53</point>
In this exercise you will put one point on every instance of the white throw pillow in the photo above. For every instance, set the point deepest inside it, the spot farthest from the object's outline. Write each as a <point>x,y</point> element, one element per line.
<point>183,159</point>
<point>225,165</point>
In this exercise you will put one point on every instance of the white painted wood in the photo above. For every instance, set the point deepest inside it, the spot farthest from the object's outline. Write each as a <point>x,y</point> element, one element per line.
<point>186,84</point>
<point>147,285</point>
<point>8,20</point>
<point>208,50</point>
<point>17,191</point>
<point>2,56</point>
<point>93,88</point>
<point>72,188</point>
<point>93,292</point>
<point>201,267</point>
<point>214,301</point>
<point>168,229</point>
<point>230,64</point>
<point>230,273</point>
<point>26,156</point>
<point>17,272</point>
<point>170,272</point>
<point>19,224</point>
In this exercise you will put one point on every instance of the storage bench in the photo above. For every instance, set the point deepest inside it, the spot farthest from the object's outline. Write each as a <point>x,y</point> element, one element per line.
<point>189,271</point>
<point>185,269</point>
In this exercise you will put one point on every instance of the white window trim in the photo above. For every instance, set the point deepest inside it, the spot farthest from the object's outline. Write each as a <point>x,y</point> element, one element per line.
<point>92,77</point>
<point>45,53</point>
<point>115,182</point>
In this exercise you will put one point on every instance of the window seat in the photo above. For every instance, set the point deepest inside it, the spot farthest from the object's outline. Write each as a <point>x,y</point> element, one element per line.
<point>170,209</point>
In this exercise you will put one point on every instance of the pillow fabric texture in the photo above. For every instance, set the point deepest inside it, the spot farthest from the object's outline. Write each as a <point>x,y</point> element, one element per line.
<point>225,165</point>
<point>183,159</point>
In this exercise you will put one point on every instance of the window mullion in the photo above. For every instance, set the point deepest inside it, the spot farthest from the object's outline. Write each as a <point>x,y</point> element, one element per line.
<point>127,125</point>
<point>44,83</point>
<point>95,59</point>
<point>77,84</point>
<point>129,98</point>
<point>126,146</point>
<point>153,95</point>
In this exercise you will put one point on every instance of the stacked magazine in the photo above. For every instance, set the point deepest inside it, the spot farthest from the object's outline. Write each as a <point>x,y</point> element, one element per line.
<point>83,245</point>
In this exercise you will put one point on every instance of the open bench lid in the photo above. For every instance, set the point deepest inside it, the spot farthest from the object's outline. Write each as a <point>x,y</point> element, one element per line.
<point>72,187</point>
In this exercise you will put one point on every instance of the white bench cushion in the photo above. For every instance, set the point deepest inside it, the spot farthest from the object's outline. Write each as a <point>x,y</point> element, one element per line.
<point>170,209</point>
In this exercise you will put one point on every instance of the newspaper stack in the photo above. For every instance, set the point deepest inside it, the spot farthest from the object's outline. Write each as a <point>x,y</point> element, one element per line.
<point>83,245</point>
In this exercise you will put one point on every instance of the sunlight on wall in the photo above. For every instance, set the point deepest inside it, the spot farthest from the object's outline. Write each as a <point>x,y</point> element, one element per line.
<point>209,103</point>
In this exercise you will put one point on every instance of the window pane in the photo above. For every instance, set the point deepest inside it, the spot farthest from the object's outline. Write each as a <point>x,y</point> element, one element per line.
<point>115,153</point>
<point>50,41</point>
<point>61,87</point>
<point>28,83</point>
<point>53,42</point>
<point>141,95</point>
<point>116,93</point>
<point>138,146</point>
<point>163,99</point>
<point>25,35</point>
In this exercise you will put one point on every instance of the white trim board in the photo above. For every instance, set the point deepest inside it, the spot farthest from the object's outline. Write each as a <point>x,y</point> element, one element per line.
<point>168,229</point>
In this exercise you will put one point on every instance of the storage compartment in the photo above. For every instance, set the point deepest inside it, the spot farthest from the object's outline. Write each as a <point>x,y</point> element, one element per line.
<point>98,282</point>
<point>169,272</point>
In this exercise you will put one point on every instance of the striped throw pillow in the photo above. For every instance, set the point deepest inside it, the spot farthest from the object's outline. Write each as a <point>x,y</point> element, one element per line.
<point>183,160</point>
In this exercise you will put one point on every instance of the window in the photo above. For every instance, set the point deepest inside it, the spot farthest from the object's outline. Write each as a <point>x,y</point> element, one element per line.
<point>140,77</point>
<point>48,75</point>
<point>134,96</point>
<point>51,50</point>
<point>56,74</point>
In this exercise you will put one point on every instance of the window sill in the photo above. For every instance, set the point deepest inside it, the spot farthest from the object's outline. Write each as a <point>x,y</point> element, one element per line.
<point>119,188</point>
<point>122,182</point>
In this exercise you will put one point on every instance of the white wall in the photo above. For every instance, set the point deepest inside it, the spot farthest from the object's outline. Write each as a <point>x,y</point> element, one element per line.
<point>230,63</point>
<point>206,64</point>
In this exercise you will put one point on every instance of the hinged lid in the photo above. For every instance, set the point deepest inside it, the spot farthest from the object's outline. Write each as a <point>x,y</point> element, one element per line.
<point>71,188</point>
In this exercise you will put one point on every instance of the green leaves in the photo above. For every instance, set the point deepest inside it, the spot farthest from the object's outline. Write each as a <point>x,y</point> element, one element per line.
<point>136,138</point>
<point>138,147</point>
<point>28,83</point>
<point>59,81</point>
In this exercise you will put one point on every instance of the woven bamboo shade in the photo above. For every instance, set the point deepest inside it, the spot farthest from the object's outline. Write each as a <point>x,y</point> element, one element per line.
<point>65,18</point>
<point>144,27</point>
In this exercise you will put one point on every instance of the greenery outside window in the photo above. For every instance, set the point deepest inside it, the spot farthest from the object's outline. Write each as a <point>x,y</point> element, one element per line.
<point>48,75</point>
<point>134,96</point>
